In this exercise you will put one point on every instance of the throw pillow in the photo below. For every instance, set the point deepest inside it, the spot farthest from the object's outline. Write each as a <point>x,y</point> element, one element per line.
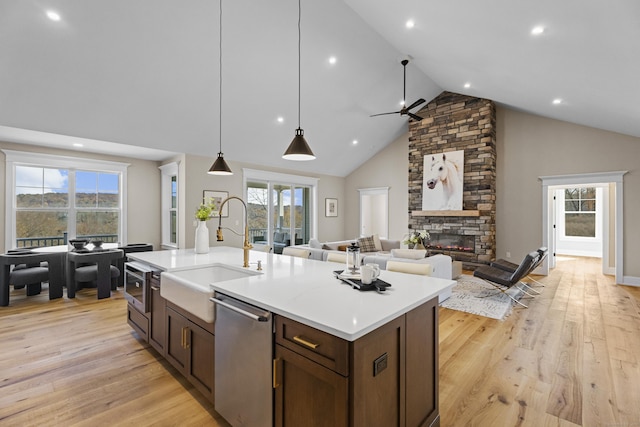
<point>327,247</point>
<point>367,244</point>
<point>408,253</point>
<point>378,243</point>
<point>343,248</point>
<point>315,244</point>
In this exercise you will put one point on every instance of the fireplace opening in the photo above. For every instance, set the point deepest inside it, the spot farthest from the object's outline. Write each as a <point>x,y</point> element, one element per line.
<point>451,243</point>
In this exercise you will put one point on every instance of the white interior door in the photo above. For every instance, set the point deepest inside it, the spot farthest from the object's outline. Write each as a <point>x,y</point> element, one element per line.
<point>374,211</point>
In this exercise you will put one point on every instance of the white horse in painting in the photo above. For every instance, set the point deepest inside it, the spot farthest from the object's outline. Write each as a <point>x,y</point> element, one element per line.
<point>449,175</point>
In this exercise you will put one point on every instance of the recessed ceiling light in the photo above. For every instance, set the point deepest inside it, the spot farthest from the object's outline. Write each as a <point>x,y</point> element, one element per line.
<point>332,60</point>
<point>355,141</point>
<point>536,31</point>
<point>280,119</point>
<point>54,16</point>
<point>557,101</point>
<point>467,85</point>
<point>410,23</point>
<point>77,144</point>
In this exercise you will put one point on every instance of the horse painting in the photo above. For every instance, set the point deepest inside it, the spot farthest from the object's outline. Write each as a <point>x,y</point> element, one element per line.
<point>443,181</point>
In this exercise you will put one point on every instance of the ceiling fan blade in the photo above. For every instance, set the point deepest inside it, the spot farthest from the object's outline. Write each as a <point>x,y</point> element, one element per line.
<point>415,104</point>
<point>415,117</point>
<point>384,114</point>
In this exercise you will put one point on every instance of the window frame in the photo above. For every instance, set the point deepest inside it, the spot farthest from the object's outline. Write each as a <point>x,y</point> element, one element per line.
<point>72,164</point>
<point>294,181</point>
<point>168,171</point>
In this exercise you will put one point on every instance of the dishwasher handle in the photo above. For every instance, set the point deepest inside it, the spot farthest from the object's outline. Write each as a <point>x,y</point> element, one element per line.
<point>238,310</point>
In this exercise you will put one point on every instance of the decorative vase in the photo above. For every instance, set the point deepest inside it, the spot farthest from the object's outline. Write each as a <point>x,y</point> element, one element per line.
<point>419,246</point>
<point>202,238</point>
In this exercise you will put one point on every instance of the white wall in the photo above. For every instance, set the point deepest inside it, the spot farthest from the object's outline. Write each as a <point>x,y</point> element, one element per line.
<point>197,179</point>
<point>531,146</point>
<point>388,168</point>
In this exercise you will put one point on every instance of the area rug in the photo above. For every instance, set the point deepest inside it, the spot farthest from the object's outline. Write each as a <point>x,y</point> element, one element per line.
<point>474,296</point>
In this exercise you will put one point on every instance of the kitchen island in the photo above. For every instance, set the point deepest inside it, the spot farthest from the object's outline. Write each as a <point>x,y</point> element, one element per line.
<point>339,356</point>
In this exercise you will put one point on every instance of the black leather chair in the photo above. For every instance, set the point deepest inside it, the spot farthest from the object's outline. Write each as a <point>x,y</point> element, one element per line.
<point>503,280</point>
<point>511,267</point>
<point>93,266</point>
<point>30,270</point>
<point>127,249</point>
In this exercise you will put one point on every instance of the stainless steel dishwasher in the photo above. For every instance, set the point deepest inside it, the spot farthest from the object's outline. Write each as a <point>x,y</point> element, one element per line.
<point>243,355</point>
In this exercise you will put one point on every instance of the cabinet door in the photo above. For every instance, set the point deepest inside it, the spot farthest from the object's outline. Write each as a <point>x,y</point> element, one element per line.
<point>157,328</point>
<point>200,369</point>
<point>308,394</point>
<point>177,334</point>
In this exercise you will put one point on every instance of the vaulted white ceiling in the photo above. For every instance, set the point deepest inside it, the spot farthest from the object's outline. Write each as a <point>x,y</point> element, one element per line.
<point>144,73</point>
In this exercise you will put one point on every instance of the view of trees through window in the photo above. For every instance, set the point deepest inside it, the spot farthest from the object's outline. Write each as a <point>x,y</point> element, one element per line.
<point>44,208</point>
<point>259,212</point>
<point>580,212</point>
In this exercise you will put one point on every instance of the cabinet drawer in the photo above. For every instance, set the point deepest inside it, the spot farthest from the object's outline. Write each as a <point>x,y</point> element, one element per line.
<point>138,321</point>
<point>321,347</point>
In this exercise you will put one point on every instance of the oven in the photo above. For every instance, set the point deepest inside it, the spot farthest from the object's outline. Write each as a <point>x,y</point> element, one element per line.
<point>137,284</point>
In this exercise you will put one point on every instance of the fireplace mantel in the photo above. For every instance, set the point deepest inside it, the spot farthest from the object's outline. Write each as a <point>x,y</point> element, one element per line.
<point>468,212</point>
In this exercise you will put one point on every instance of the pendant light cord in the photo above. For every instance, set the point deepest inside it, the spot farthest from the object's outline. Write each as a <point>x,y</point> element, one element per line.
<point>220,63</point>
<point>299,37</point>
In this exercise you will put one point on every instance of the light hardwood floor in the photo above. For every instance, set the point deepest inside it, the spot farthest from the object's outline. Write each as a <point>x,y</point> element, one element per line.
<point>570,359</point>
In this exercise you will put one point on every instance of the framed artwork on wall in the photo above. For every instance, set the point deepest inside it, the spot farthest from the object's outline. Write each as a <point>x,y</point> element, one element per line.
<point>330,207</point>
<point>443,181</point>
<point>218,197</point>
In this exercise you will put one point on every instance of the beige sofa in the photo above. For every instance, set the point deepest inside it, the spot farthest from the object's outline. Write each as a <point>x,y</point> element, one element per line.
<point>320,250</point>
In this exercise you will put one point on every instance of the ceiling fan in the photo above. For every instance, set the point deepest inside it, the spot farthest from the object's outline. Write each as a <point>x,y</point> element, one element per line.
<point>404,111</point>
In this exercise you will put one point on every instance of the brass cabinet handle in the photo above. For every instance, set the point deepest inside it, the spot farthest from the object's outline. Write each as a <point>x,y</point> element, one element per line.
<point>304,342</point>
<point>187,337</point>
<point>275,373</point>
<point>182,337</point>
<point>155,288</point>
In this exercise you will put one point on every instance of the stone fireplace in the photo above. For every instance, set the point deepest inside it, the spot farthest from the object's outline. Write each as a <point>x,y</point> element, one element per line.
<point>455,122</point>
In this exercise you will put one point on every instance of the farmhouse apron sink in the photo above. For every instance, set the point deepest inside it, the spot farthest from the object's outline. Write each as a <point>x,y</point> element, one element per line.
<point>190,290</point>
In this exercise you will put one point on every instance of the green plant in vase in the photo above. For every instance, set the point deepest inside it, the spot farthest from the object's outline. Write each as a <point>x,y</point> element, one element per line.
<point>203,212</point>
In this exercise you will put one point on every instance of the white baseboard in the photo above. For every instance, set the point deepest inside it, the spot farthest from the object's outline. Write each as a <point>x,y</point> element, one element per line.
<point>631,281</point>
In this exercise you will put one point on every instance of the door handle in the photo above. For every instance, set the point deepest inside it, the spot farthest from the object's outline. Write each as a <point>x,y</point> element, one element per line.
<point>275,373</point>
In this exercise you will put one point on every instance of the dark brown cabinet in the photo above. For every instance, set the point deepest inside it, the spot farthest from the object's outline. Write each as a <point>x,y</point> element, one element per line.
<point>157,316</point>
<point>388,377</point>
<point>190,348</point>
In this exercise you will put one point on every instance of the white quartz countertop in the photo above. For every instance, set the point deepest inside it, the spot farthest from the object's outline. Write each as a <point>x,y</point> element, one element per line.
<point>305,290</point>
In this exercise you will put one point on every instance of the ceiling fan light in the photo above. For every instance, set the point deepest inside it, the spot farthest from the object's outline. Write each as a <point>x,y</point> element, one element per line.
<point>299,149</point>
<point>220,167</point>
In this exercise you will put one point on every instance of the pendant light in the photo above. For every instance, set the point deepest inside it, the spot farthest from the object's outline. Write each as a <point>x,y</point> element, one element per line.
<point>220,167</point>
<point>299,149</point>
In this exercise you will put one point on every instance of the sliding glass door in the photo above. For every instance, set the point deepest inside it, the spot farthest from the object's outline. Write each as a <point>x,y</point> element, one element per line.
<point>279,213</point>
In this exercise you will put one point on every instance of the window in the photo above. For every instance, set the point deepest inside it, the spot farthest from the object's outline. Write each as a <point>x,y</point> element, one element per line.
<point>580,212</point>
<point>169,201</point>
<point>51,199</point>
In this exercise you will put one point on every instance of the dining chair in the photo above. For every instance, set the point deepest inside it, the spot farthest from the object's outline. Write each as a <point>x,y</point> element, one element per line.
<point>27,269</point>
<point>296,252</point>
<point>93,266</point>
<point>410,268</point>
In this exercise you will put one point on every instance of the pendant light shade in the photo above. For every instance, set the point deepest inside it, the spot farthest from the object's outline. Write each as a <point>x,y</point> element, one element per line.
<point>299,149</point>
<point>220,167</point>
